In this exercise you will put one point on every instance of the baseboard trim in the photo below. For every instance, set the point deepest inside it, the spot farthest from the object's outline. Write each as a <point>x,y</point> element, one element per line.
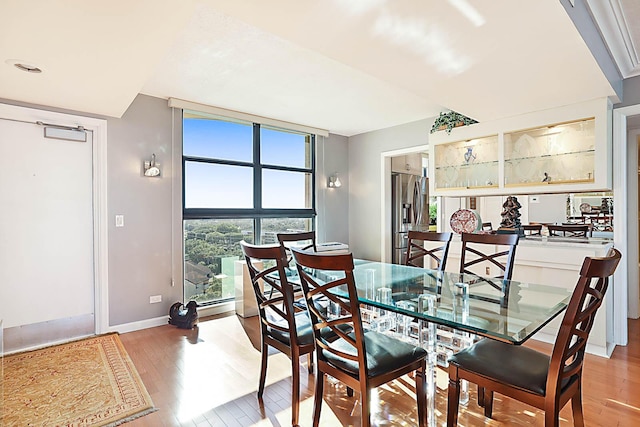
<point>141,324</point>
<point>211,310</point>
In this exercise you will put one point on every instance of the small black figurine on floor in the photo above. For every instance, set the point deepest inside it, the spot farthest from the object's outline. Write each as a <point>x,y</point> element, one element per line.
<point>546,178</point>
<point>184,318</point>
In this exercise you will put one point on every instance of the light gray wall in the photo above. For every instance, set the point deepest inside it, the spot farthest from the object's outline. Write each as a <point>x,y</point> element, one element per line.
<point>332,203</point>
<point>365,179</point>
<point>137,272</point>
<point>631,92</point>
<point>140,252</point>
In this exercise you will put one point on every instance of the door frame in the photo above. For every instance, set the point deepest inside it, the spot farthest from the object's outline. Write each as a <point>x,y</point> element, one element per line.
<point>386,245</point>
<point>100,223</point>
<point>625,182</point>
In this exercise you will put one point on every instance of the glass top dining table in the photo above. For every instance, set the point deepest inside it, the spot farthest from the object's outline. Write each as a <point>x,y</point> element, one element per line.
<point>503,310</point>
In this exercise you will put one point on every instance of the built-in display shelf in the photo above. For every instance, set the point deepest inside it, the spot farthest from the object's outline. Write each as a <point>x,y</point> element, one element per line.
<point>554,151</point>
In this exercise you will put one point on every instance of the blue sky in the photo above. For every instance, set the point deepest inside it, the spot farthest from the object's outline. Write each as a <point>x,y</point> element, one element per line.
<point>224,186</point>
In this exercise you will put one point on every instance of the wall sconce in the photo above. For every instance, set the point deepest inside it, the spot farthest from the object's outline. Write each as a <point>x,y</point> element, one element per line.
<point>152,168</point>
<point>334,181</point>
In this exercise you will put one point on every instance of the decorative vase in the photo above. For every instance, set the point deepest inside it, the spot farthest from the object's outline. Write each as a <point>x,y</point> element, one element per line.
<point>469,156</point>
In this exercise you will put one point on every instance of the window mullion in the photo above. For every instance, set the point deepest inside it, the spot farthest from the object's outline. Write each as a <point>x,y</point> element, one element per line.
<point>257,169</point>
<point>311,153</point>
<point>212,233</point>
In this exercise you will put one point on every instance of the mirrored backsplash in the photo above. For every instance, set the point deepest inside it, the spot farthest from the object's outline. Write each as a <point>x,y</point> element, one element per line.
<point>595,209</point>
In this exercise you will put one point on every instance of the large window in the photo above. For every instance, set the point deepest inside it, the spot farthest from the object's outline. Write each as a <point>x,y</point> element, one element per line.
<point>242,181</point>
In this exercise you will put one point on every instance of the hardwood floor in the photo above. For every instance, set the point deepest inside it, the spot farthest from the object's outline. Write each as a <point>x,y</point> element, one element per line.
<point>209,376</point>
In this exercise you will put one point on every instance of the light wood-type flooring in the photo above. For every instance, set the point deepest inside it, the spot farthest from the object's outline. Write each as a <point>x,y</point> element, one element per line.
<point>208,376</point>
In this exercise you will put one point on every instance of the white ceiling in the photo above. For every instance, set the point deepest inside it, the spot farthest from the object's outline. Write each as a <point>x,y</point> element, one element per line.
<point>348,66</point>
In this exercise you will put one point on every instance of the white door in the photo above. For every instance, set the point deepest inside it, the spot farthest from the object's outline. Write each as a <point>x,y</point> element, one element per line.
<point>46,226</point>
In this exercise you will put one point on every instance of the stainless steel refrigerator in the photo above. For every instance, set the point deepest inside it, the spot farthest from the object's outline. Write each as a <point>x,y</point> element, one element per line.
<point>409,210</point>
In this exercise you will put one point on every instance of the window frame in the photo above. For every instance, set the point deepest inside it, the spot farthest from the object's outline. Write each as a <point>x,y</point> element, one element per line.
<point>257,212</point>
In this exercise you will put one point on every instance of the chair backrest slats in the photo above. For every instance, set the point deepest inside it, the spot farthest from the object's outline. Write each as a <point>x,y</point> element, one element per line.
<point>286,240</point>
<point>339,271</point>
<point>416,249</point>
<point>569,230</point>
<point>471,244</point>
<point>532,229</point>
<point>275,309</point>
<point>569,349</point>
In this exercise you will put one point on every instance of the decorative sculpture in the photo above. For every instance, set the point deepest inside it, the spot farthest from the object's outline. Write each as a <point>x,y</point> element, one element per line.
<point>469,156</point>
<point>511,214</point>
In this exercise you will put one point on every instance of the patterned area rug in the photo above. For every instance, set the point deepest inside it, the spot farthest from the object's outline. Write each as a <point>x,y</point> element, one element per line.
<point>91,382</point>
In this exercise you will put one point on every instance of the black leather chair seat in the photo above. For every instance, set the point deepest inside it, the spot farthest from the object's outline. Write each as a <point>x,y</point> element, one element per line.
<point>303,328</point>
<point>384,354</point>
<point>305,333</point>
<point>518,366</point>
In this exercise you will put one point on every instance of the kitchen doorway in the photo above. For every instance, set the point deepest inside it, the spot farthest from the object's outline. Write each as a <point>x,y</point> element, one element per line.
<point>407,160</point>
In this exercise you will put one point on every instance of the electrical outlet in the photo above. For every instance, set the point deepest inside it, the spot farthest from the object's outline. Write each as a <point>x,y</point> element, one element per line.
<point>488,271</point>
<point>119,220</point>
<point>155,298</point>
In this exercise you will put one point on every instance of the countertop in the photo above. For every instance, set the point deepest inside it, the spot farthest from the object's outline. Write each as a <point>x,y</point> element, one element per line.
<point>578,242</point>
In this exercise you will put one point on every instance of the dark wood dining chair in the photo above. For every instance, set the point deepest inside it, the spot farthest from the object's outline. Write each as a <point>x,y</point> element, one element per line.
<point>281,326</point>
<point>417,254</point>
<point>361,359</point>
<point>532,229</point>
<point>546,382</point>
<point>487,250</point>
<point>569,230</point>
<point>305,240</point>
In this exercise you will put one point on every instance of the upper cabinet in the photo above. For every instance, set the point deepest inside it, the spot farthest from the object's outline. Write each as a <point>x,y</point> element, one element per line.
<point>410,163</point>
<point>468,164</point>
<point>553,151</point>
<point>555,154</point>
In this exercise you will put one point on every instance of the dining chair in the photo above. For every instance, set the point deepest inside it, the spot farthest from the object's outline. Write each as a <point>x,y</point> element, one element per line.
<point>546,382</point>
<point>305,240</point>
<point>569,230</point>
<point>362,359</point>
<point>482,253</point>
<point>532,229</point>
<point>417,253</point>
<point>281,326</point>
<point>488,250</point>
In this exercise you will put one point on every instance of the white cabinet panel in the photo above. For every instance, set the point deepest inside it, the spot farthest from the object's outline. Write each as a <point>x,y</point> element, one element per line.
<point>563,150</point>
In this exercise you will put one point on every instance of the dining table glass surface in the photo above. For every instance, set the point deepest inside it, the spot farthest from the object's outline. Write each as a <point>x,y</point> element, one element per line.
<point>444,312</point>
<point>503,310</point>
